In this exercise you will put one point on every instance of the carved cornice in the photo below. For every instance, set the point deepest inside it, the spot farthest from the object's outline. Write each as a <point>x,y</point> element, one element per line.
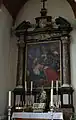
<point>58,27</point>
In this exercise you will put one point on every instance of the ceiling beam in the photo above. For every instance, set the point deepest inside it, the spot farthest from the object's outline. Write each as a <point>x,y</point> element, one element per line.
<point>73,6</point>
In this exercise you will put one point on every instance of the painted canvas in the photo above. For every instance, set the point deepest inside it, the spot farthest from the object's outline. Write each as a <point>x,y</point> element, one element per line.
<point>43,62</point>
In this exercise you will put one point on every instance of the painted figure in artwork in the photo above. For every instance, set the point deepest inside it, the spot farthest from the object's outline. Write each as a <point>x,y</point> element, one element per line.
<point>43,63</point>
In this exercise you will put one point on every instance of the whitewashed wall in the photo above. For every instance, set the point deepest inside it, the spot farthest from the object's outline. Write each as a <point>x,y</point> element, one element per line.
<point>55,8</point>
<point>73,62</point>
<point>6,83</point>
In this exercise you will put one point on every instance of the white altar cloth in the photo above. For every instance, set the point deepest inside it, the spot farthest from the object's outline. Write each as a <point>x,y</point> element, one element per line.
<point>31,115</point>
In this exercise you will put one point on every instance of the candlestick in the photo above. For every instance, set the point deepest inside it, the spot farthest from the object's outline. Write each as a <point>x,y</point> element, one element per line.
<point>31,85</point>
<point>9,98</point>
<point>52,93</point>
<point>57,85</point>
<point>26,86</point>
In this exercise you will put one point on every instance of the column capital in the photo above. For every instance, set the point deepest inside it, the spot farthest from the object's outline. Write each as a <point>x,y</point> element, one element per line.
<point>21,43</point>
<point>65,39</point>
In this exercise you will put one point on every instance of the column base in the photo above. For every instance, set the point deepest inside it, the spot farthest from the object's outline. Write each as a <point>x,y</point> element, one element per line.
<point>65,85</point>
<point>19,86</point>
<point>66,96</point>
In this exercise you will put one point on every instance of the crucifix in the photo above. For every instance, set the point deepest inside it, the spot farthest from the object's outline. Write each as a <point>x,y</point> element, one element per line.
<point>43,1</point>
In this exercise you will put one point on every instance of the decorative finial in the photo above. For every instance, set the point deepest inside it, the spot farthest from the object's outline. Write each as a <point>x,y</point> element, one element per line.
<point>43,10</point>
<point>43,3</point>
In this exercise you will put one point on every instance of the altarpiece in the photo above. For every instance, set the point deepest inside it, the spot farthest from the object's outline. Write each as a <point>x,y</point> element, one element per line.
<point>43,56</point>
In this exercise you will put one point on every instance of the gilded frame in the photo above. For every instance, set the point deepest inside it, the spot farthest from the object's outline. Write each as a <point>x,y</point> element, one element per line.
<point>43,63</point>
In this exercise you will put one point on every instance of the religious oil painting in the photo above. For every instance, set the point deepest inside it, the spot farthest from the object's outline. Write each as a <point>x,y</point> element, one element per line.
<point>43,62</point>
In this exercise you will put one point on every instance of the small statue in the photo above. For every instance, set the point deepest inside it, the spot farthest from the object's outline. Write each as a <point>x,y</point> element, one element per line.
<point>43,96</point>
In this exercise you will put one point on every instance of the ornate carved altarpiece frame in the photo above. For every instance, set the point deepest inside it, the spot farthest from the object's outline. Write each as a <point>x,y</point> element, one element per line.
<point>48,38</point>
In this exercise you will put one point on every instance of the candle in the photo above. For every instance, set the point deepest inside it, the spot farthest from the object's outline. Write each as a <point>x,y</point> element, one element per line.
<point>52,93</point>
<point>51,97</point>
<point>31,85</point>
<point>52,84</point>
<point>25,86</point>
<point>9,98</point>
<point>57,85</point>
